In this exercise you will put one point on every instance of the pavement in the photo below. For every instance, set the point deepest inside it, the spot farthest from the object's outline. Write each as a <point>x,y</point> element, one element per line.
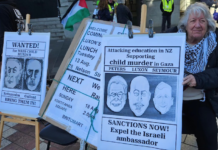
<point>22,137</point>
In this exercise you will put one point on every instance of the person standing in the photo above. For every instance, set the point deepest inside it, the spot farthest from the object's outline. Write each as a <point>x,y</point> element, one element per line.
<point>123,12</point>
<point>103,11</point>
<point>167,7</point>
<point>9,17</point>
<point>112,5</point>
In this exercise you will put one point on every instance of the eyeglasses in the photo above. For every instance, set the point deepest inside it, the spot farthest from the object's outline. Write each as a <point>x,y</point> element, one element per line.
<point>116,94</point>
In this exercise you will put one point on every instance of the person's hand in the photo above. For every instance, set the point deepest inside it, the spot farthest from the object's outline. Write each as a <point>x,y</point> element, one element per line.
<point>189,80</point>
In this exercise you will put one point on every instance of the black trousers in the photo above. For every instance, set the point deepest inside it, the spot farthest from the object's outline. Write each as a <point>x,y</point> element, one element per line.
<point>202,121</point>
<point>166,19</point>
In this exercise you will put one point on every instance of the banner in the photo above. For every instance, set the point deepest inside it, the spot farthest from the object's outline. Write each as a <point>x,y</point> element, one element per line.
<point>73,99</point>
<point>24,72</point>
<point>141,97</point>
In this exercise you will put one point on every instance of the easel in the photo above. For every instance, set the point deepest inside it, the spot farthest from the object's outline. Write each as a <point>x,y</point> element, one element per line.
<point>21,119</point>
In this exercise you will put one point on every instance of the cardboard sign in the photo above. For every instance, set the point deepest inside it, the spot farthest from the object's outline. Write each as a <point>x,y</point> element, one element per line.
<point>73,98</point>
<point>24,72</point>
<point>141,100</point>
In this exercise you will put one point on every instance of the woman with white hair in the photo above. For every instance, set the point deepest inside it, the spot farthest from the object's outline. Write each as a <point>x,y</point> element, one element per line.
<point>200,96</point>
<point>123,12</point>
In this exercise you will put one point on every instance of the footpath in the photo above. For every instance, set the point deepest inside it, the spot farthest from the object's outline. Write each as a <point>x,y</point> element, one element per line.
<point>22,137</point>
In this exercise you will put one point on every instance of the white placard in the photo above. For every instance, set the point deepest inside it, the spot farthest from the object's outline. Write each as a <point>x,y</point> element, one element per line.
<point>75,110</point>
<point>24,72</point>
<point>141,100</point>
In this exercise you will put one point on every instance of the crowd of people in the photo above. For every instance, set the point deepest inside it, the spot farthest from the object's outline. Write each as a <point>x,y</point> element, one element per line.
<point>107,8</point>
<point>200,96</point>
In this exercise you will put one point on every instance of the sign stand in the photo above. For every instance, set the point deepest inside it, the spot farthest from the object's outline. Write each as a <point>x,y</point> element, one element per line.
<point>21,119</point>
<point>143,18</point>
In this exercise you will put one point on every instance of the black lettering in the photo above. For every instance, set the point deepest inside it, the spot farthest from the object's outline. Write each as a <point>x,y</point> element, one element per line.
<point>95,86</point>
<point>75,79</point>
<point>69,90</point>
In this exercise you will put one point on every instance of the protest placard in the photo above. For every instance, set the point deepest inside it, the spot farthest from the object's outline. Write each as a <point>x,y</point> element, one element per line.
<point>141,97</point>
<point>73,98</point>
<point>24,72</point>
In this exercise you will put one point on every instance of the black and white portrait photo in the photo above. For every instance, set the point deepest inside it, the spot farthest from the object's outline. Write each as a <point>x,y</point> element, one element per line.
<point>33,75</point>
<point>149,96</point>
<point>116,93</point>
<point>139,95</point>
<point>163,99</point>
<point>13,73</point>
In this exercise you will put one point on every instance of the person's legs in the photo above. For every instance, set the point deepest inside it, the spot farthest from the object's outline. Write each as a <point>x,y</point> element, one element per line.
<point>163,23</point>
<point>168,22</point>
<point>202,120</point>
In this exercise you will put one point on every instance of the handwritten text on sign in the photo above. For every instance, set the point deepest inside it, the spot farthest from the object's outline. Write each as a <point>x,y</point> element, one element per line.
<point>88,52</point>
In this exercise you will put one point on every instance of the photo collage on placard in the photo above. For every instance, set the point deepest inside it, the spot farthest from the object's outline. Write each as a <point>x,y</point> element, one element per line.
<point>143,96</point>
<point>23,74</point>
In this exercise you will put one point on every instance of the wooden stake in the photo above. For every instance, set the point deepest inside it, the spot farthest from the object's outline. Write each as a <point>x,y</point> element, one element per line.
<point>37,130</point>
<point>27,22</point>
<point>1,128</point>
<point>143,18</point>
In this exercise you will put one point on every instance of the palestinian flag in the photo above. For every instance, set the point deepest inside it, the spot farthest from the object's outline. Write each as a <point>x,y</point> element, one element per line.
<point>75,13</point>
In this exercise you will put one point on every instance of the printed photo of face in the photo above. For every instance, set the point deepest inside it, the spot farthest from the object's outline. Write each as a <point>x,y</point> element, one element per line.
<point>33,74</point>
<point>14,70</point>
<point>163,99</point>
<point>116,93</point>
<point>139,95</point>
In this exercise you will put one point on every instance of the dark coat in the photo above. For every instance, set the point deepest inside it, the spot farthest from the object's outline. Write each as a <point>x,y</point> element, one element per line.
<point>209,2</point>
<point>8,20</point>
<point>104,14</point>
<point>208,79</point>
<point>123,14</point>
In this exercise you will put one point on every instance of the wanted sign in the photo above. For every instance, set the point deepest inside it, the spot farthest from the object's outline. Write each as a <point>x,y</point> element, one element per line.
<point>72,102</point>
<point>141,99</point>
<point>24,72</point>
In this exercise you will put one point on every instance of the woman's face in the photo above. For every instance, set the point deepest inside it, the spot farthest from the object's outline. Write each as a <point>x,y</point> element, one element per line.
<point>196,27</point>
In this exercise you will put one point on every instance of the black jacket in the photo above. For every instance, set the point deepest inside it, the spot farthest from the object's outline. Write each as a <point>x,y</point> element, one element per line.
<point>8,19</point>
<point>123,14</point>
<point>208,79</point>
<point>104,14</point>
<point>209,2</point>
<point>164,13</point>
